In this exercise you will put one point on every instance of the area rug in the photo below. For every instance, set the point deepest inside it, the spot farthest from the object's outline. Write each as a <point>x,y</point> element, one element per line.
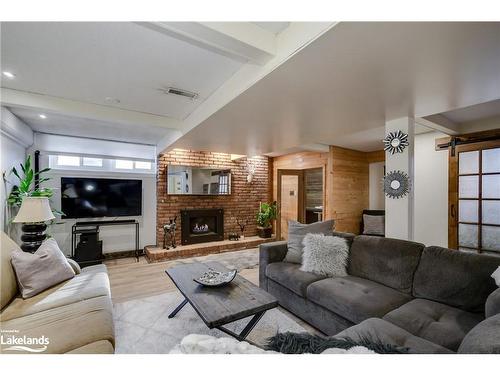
<point>142,325</point>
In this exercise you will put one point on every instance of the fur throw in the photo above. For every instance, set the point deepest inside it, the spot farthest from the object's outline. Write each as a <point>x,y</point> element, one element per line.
<point>325,255</point>
<point>298,343</point>
<point>203,344</point>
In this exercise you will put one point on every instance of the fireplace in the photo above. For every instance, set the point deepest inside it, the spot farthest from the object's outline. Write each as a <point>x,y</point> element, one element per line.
<point>202,225</point>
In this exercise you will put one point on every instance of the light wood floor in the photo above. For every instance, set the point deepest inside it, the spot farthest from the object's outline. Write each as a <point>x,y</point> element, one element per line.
<point>130,279</point>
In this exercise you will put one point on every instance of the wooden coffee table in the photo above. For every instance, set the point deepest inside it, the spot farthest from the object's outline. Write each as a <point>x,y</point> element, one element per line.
<point>221,305</point>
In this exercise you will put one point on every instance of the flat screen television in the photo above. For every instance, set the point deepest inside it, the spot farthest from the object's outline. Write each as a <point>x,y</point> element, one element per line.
<point>100,197</point>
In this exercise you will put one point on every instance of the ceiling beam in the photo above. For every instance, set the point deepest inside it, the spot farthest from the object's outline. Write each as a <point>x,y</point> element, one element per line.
<point>439,123</point>
<point>51,104</point>
<point>290,41</point>
<point>242,41</point>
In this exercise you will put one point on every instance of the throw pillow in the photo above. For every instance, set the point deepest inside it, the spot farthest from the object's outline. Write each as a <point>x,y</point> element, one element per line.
<point>325,255</point>
<point>374,224</point>
<point>496,276</point>
<point>296,234</point>
<point>41,270</point>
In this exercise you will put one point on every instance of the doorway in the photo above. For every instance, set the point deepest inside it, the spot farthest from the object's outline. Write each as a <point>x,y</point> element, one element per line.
<point>300,196</point>
<point>474,198</point>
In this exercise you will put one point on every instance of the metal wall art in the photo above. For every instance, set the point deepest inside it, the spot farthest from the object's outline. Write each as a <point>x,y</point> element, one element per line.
<point>396,184</point>
<point>395,142</point>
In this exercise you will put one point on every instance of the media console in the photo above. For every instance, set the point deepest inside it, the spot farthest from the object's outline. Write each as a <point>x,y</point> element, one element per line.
<point>88,250</point>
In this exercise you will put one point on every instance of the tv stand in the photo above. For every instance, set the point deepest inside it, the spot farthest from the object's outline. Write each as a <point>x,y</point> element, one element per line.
<point>84,226</point>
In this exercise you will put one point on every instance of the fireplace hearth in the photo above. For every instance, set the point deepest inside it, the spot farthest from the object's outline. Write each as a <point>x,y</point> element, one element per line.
<point>202,225</point>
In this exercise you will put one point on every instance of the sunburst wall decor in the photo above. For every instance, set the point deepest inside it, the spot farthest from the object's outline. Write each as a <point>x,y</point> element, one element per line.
<point>396,184</point>
<point>395,142</point>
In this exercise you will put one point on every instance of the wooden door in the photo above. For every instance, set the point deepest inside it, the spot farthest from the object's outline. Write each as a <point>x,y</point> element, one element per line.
<point>290,200</point>
<point>474,197</point>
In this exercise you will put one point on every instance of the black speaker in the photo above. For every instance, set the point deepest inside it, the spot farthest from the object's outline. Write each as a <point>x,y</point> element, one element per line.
<point>89,249</point>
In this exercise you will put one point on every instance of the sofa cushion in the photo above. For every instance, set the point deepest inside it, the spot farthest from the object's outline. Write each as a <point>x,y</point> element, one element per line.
<point>483,338</point>
<point>492,306</point>
<point>354,298</point>
<point>291,277</point>
<point>66,327</point>
<point>297,232</point>
<point>92,282</point>
<point>8,280</point>
<point>41,270</point>
<point>379,330</point>
<point>433,321</point>
<point>455,278</point>
<point>387,261</point>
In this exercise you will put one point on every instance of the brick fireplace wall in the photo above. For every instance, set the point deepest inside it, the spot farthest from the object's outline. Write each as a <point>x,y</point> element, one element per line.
<point>242,203</point>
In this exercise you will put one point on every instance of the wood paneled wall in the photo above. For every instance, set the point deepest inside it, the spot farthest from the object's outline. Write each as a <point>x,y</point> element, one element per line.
<point>302,160</point>
<point>345,181</point>
<point>350,190</point>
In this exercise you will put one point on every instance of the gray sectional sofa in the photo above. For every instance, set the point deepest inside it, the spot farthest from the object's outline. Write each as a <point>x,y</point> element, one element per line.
<point>429,299</point>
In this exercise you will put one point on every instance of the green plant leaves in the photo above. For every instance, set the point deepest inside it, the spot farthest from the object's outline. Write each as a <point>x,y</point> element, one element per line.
<point>25,187</point>
<point>267,213</point>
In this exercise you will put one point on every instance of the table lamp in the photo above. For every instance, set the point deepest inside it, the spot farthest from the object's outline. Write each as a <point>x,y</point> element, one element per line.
<point>33,213</point>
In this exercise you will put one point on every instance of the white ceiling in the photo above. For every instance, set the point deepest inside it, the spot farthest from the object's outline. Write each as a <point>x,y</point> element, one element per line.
<point>89,61</point>
<point>274,27</point>
<point>342,88</point>
<point>339,90</point>
<point>475,112</point>
<point>101,79</point>
<point>75,126</point>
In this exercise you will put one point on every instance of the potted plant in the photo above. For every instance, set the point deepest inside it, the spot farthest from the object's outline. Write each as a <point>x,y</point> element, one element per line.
<point>25,187</point>
<point>267,213</point>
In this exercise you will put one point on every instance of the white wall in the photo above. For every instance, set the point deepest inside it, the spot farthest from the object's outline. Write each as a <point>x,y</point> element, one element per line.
<point>430,191</point>
<point>15,137</point>
<point>115,238</point>
<point>399,213</point>
<point>376,191</point>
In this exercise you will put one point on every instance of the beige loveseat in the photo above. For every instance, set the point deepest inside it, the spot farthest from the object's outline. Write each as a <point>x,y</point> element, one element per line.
<point>75,316</point>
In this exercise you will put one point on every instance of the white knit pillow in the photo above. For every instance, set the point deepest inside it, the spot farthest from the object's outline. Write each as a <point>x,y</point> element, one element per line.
<point>325,255</point>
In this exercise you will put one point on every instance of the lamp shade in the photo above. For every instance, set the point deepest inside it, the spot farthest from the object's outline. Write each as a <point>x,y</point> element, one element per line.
<point>34,210</point>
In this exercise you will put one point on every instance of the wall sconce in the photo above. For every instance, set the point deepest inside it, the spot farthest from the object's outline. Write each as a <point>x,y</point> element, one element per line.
<point>251,172</point>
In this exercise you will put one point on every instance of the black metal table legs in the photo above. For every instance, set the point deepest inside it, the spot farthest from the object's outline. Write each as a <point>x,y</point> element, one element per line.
<point>248,328</point>
<point>238,336</point>
<point>177,309</point>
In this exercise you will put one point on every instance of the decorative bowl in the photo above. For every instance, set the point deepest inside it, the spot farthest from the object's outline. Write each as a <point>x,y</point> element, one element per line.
<point>215,278</point>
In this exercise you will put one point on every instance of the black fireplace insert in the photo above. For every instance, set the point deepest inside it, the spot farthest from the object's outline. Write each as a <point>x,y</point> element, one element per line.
<point>202,225</point>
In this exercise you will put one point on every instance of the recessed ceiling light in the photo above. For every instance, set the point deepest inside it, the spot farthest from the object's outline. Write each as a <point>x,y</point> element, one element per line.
<point>41,115</point>
<point>110,99</point>
<point>9,75</point>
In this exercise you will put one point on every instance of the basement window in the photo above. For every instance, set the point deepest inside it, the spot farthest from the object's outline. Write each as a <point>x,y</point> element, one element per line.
<point>68,161</point>
<point>95,163</point>
<point>143,165</point>
<point>92,162</point>
<point>124,164</point>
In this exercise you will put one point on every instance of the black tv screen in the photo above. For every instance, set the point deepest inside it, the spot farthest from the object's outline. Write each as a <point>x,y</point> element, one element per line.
<point>100,197</point>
